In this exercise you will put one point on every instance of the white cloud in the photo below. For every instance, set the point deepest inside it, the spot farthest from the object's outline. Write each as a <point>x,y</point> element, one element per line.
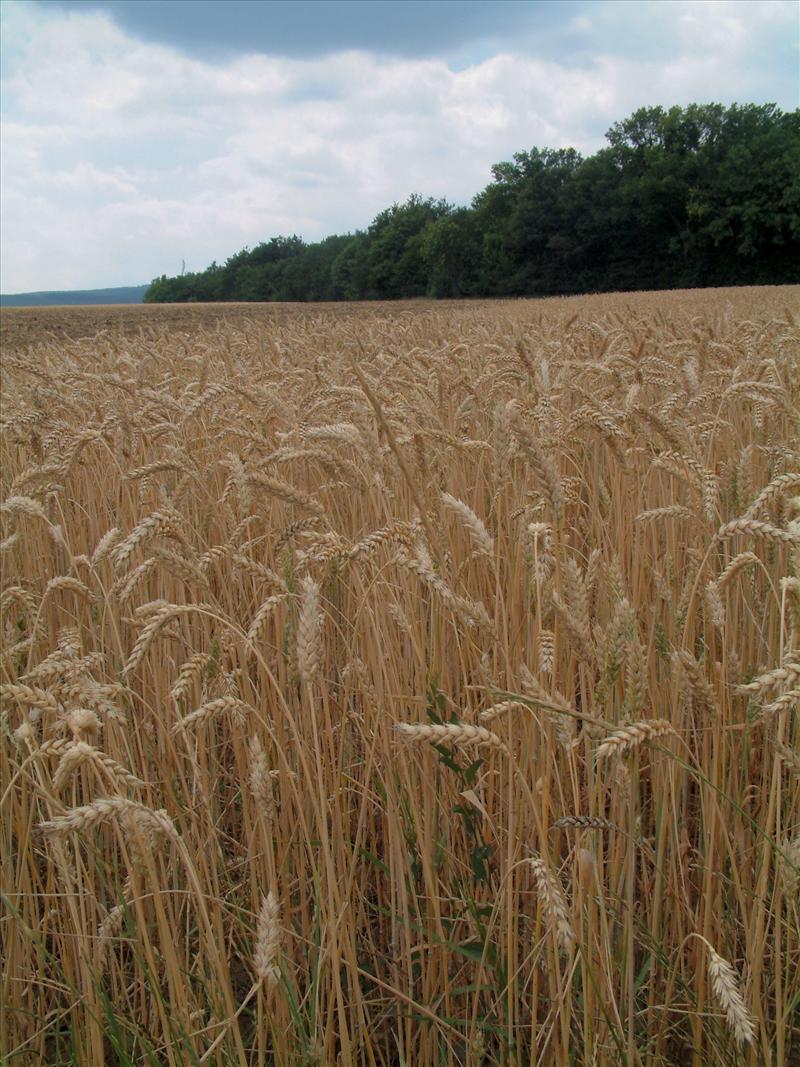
<point>122,158</point>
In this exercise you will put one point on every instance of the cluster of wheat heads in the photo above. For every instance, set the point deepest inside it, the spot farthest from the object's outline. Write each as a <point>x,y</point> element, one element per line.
<point>416,688</point>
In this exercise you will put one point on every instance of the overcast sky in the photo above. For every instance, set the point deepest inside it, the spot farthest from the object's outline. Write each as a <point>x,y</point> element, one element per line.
<point>140,134</point>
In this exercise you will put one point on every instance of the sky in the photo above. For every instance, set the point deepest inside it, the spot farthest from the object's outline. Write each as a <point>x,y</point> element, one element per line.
<point>140,135</point>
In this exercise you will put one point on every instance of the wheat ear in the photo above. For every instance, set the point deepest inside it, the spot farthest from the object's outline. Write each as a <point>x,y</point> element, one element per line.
<point>268,939</point>
<point>632,736</point>
<point>726,989</point>
<point>474,526</point>
<point>765,531</point>
<point>450,733</point>
<point>308,631</point>
<point>109,809</point>
<point>554,905</point>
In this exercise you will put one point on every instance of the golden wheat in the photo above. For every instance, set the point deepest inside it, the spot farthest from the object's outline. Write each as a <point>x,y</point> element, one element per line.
<point>249,552</point>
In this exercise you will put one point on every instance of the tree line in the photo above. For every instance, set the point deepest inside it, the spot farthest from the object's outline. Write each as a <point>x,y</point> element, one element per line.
<point>681,198</point>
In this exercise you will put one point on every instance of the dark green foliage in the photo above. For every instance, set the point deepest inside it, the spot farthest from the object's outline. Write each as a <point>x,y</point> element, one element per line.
<point>689,197</point>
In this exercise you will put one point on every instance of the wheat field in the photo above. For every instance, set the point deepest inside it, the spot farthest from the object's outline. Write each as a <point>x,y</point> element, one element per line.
<point>403,685</point>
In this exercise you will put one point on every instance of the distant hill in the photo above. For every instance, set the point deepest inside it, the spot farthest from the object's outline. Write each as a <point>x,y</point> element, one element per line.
<point>127,294</point>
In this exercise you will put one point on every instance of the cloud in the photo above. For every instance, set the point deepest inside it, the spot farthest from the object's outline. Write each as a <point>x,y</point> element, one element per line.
<point>123,157</point>
<point>312,28</point>
<point>461,31</point>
